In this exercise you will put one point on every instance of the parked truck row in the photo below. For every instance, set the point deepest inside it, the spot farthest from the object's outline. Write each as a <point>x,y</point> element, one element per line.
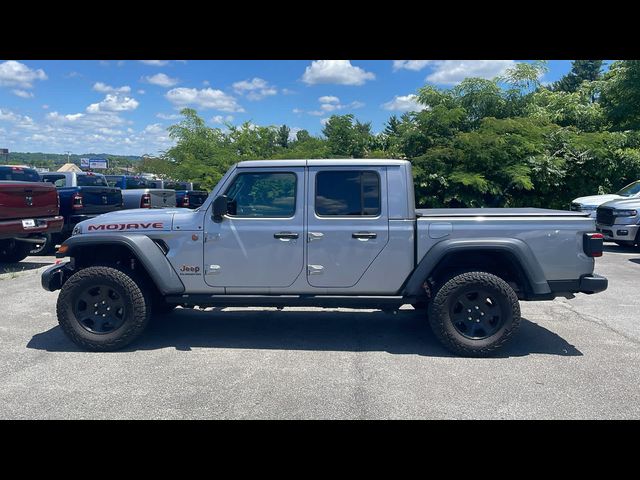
<point>39,211</point>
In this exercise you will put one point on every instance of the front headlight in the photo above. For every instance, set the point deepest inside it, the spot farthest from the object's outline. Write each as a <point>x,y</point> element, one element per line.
<point>77,230</point>
<point>625,213</point>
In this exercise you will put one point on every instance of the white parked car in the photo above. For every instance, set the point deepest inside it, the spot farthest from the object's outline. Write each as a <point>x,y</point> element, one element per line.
<point>590,204</point>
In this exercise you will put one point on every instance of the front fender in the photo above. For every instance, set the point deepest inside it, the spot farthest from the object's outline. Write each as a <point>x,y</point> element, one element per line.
<point>141,247</point>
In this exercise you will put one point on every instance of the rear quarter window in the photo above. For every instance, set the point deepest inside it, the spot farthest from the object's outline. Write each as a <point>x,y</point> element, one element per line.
<point>19,174</point>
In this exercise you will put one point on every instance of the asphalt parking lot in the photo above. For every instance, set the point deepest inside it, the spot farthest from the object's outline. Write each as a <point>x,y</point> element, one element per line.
<point>574,359</point>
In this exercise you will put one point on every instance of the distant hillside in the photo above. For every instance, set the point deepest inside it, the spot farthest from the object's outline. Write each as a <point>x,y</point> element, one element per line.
<point>51,160</point>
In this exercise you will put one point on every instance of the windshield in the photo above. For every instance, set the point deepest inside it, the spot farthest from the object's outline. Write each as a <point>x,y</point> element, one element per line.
<point>630,190</point>
<point>91,181</point>
<point>19,174</point>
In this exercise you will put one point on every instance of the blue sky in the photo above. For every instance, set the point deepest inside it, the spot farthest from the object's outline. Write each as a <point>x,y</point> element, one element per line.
<point>124,106</point>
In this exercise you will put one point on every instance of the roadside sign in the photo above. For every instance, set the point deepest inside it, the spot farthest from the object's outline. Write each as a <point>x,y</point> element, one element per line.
<point>4,151</point>
<point>84,163</point>
<point>98,164</point>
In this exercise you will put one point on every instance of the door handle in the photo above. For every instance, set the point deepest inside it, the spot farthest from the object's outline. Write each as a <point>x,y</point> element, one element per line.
<point>314,236</point>
<point>285,236</point>
<point>364,235</point>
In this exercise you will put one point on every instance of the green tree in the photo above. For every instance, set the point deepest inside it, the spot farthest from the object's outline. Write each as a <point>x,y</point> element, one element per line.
<point>581,71</point>
<point>620,95</point>
<point>283,136</point>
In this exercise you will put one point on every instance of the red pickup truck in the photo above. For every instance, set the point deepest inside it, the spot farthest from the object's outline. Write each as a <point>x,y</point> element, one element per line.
<point>28,209</point>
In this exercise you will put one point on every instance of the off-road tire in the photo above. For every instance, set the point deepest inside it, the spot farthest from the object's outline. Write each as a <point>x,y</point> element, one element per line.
<point>13,251</point>
<point>443,327</point>
<point>137,308</point>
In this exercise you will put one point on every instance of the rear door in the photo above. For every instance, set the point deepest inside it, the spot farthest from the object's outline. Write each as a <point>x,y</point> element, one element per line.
<point>347,223</point>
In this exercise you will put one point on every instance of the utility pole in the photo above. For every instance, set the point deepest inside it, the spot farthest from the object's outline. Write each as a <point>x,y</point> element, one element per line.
<point>68,159</point>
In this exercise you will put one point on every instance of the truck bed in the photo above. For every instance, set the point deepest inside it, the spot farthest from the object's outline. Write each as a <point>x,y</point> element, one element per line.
<point>495,212</point>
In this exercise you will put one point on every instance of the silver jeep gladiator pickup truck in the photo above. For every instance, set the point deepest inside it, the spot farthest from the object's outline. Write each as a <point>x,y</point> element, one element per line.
<point>325,233</point>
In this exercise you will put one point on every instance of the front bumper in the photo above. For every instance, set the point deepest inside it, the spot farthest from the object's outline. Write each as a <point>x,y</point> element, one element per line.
<point>54,277</point>
<point>616,232</point>
<point>15,228</point>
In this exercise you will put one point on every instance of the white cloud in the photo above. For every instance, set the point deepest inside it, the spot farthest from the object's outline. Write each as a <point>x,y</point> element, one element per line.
<point>329,99</point>
<point>45,106</point>
<point>297,110</point>
<point>16,74</point>
<point>324,121</point>
<point>168,116</point>
<point>287,91</point>
<point>161,79</point>
<point>293,132</point>
<point>404,103</point>
<point>414,65</point>
<point>12,117</point>
<point>104,88</point>
<point>222,119</point>
<point>256,89</point>
<point>154,128</point>
<point>452,72</point>
<point>155,63</point>
<point>206,83</point>
<point>340,72</point>
<point>332,104</point>
<point>141,92</point>
<point>113,103</point>
<point>22,93</point>
<point>207,98</point>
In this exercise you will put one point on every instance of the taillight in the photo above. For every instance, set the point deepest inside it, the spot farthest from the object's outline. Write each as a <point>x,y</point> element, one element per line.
<point>593,244</point>
<point>76,201</point>
<point>145,200</point>
<point>185,201</point>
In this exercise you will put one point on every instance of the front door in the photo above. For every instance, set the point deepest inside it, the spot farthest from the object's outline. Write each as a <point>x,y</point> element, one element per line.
<point>348,223</point>
<point>260,243</point>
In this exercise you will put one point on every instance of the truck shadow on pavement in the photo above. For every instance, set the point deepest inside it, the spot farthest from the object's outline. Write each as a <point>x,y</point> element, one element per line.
<point>407,332</point>
<point>22,266</point>
<point>613,248</point>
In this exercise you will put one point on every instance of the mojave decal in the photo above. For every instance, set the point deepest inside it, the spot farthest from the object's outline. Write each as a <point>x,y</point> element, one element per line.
<point>125,226</point>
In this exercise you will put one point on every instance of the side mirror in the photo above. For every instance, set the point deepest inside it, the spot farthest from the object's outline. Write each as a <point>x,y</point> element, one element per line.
<point>220,208</point>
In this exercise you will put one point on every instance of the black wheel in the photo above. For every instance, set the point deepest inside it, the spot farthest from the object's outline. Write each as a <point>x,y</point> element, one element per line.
<point>46,248</point>
<point>102,309</point>
<point>12,251</point>
<point>474,313</point>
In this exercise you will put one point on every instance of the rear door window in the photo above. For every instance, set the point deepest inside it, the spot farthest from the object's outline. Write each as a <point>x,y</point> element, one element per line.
<point>347,193</point>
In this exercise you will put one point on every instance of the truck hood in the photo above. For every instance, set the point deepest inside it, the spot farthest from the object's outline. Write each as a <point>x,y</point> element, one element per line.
<point>623,203</point>
<point>135,220</point>
<point>597,200</point>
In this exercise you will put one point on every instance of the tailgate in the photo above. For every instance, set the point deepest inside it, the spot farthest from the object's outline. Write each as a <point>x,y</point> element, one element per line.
<point>27,200</point>
<point>162,198</point>
<point>100,199</point>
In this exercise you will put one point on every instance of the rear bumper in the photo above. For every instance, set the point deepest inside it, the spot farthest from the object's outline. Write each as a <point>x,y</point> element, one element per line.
<point>15,229</point>
<point>590,283</point>
<point>593,284</point>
